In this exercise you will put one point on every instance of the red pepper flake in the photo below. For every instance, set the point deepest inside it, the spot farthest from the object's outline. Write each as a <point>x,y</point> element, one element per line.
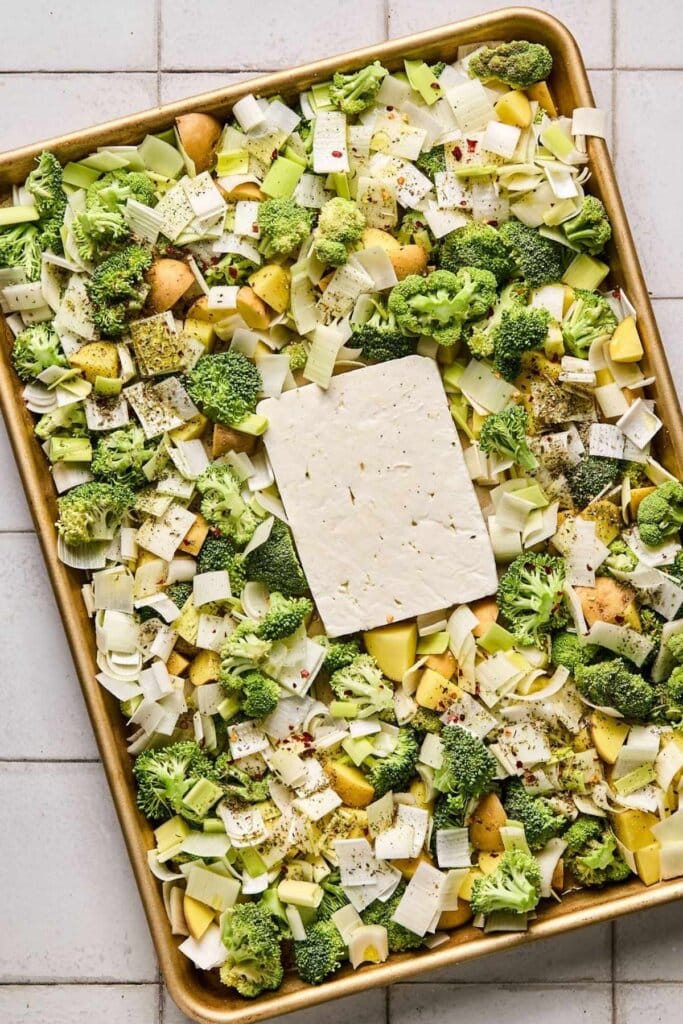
<point>304,673</point>
<point>435,86</point>
<point>273,155</point>
<point>471,145</point>
<point>617,293</point>
<point>254,227</point>
<point>232,272</point>
<point>401,181</point>
<point>457,152</point>
<point>337,153</point>
<point>519,764</point>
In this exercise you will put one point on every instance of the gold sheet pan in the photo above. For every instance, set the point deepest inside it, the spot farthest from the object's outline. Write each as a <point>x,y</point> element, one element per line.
<point>199,995</point>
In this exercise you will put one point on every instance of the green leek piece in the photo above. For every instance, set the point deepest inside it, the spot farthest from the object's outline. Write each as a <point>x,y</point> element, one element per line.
<point>236,162</point>
<point>343,709</point>
<point>460,411</point>
<point>560,212</point>
<point>297,158</point>
<point>79,176</point>
<point>108,386</point>
<point>203,795</point>
<point>228,708</point>
<point>476,171</point>
<point>253,424</point>
<point>17,215</point>
<point>585,272</point>
<point>321,96</point>
<point>159,156</point>
<point>213,825</point>
<point>70,449</point>
<point>358,748</point>
<point>171,833</point>
<point>103,162</point>
<point>130,706</point>
<point>435,643</point>
<point>423,80</point>
<point>340,183</point>
<point>495,639</point>
<point>635,780</point>
<point>253,864</point>
<point>451,376</point>
<point>558,142</point>
<point>532,494</point>
<point>167,136</point>
<point>282,178</point>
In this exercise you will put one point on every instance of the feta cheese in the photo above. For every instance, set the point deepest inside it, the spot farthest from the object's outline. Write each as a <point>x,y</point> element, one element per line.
<point>374,483</point>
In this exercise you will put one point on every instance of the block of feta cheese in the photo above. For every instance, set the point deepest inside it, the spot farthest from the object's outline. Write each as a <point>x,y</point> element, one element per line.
<point>374,483</point>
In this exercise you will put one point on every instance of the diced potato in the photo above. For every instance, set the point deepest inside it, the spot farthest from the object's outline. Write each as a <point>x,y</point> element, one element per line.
<point>569,296</point>
<point>205,668</point>
<point>603,377</point>
<point>247,190</point>
<point>541,93</point>
<point>252,309</point>
<point>486,610</point>
<point>177,664</point>
<point>350,784</point>
<point>374,236</point>
<point>393,648</point>
<point>633,828</point>
<point>466,887</point>
<point>445,664</point>
<point>608,735</point>
<point>198,135</point>
<point>199,310</point>
<point>271,283</point>
<point>96,359</point>
<point>557,880</point>
<point>195,537</point>
<point>456,918</point>
<point>637,495</point>
<point>489,862</point>
<point>608,601</point>
<point>187,624</point>
<point>168,281</point>
<point>625,345</point>
<point>198,916</point>
<point>647,863</point>
<point>514,108</point>
<point>485,824</point>
<point>607,518</point>
<point>435,691</point>
<point>582,740</point>
<point>191,429</point>
<point>201,330</point>
<point>227,439</point>
<point>408,259</point>
<point>408,866</point>
<point>419,791</point>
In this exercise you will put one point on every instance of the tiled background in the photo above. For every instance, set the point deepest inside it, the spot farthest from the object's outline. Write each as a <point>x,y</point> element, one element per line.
<point>74,945</point>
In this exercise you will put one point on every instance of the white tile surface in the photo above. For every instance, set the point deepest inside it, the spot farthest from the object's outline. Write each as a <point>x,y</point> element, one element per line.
<point>669,314</point>
<point>649,947</point>
<point>178,85</point>
<point>14,513</point>
<point>647,1004</point>
<point>47,105</point>
<point>78,1004</point>
<point>648,147</point>
<point>67,886</point>
<point>367,1008</point>
<point>590,22</point>
<point>39,685</point>
<point>70,36</point>
<point>649,34</point>
<point>515,1004</point>
<point>200,35</point>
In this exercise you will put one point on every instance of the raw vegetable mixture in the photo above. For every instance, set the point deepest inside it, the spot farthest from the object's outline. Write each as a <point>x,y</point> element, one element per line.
<point>319,800</point>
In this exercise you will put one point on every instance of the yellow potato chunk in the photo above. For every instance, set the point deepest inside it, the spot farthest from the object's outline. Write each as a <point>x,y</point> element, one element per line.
<point>607,519</point>
<point>195,537</point>
<point>466,887</point>
<point>541,93</point>
<point>456,918</point>
<point>374,236</point>
<point>177,664</point>
<point>486,611</point>
<point>252,309</point>
<point>637,495</point>
<point>514,108</point>
<point>408,259</point>
<point>608,735</point>
<point>626,346</point>
<point>97,359</point>
<point>489,862</point>
<point>608,601</point>
<point>393,648</point>
<point>198,916</point>
<point>205,668</point>
<point>271,283</point>
<point>647,863</point>
<point>350,784</point>
<point>191,429</point>
<point>435,691</point>
<point>409,866</point>
<point>227,439</point>
<point>485,824</point>
<point>445,664</point>
<point>202,330</point>
<point>632,828</point>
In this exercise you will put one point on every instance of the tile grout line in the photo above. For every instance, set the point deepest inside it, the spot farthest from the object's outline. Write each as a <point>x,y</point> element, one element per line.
<point>49,760</point>
<point>157,17</point>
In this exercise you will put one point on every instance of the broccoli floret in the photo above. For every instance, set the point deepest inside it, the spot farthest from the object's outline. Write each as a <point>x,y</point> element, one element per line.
<point>431,162</point>
<point>426,720</point>
<point>320,954</point>
<point>35,349</point>
<point>518,63</point>
<point>254,962</point>
<point>221,553</point>
<point>531,596</point>
<point>612,684</point>
<point>439,304</point>
<point>590,318</point>
<point>477,245</point>
<point>467,766</point>
<point>334,897</point>
<point>651,625</point>
<point>399,938</point>
<point>672,690</point>
<point>118,289</point>
<point>120,456</point>
<point>223,505</point>
<point>480,336</point>
<point>569,650</point>
<point>99,232</point>
<point>660,514</point>
<point>226,386</point>
<point>504,434</point>
<point>257,693</point>
<point>243,645</point>
<point>354,92</point>
<point>113,190</point>
<point>521,329</point>
<point>621,558</point>
<point>284,616</point>
<point>515,885</point>
<point>339,653</point>
<point>297,353</point>
<point>340,226</point>
<point>20,247</point>
<point>362,685</point>
<point>273,905</point>
<point>394,771</point>
<point>589,230</point>
<point>231,269</point>
<point>238,784</point>
<point>589,476</point>
<point>92,512</point>
<point>674,646</point>
<point>45,185</point>
<point>165,777</point>
<point>284,225</point>
<point>539,260</point>
<point>535,813</point>
<point>414,230</point>
<point>450,811</point>
<point>68,419</point>
<point>275,563</point>
<point>380,338</point>
<point>592,854</point>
